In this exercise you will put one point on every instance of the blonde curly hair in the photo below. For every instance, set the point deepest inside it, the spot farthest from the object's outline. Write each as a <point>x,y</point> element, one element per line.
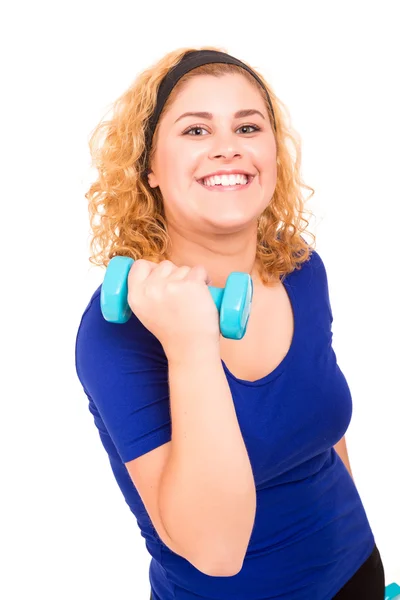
<point>127,216</point>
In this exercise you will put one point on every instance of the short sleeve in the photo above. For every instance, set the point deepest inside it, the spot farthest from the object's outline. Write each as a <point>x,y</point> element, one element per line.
<point>124,373</point>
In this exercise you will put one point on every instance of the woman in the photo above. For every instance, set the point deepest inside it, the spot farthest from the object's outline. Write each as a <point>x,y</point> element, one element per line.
<point>224,449</point>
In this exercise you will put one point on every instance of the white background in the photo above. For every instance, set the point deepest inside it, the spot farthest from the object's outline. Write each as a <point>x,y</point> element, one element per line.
<point>66,531</point>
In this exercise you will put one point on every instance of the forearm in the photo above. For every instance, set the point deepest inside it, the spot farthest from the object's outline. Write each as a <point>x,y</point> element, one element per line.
<point>207,494</point>
<point>341,449</point>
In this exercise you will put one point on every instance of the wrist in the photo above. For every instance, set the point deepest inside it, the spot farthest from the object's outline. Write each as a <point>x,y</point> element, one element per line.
<point>204,350</point>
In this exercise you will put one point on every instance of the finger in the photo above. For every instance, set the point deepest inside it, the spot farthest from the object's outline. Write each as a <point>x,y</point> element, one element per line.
<point>140,270</point>
<point>199,273</point>
<point>179,273</point>
<point>163,270</point>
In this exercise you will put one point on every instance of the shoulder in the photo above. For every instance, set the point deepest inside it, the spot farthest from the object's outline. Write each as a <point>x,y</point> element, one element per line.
<point>314,259</point>
<point>311,270</point>
<point>318,281</point>
<point>100,342</point>
<point>310,283</point>
<point>318,269</point>
<point>316,263</point>
<point>92,318</point>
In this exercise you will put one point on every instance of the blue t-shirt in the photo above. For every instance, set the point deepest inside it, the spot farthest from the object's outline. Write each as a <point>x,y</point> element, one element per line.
<point>311,532</point>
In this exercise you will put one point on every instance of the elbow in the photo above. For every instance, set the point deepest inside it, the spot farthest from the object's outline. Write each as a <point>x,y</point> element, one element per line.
<point>230,570</point>
<point>220,568</point>
<point>229,554</point>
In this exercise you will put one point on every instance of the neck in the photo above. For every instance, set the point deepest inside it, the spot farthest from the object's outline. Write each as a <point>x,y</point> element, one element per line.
<point>220,257</point>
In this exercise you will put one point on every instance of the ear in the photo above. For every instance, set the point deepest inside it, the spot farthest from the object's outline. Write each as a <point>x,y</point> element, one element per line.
<point>152,179</point>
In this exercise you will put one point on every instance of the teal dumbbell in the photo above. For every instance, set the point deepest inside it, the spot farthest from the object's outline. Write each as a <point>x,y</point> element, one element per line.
<point>392,592</point>
<point>233,302</point>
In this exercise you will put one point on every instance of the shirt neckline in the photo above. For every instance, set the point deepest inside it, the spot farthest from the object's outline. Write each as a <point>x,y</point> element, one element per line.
<point>279,369</point>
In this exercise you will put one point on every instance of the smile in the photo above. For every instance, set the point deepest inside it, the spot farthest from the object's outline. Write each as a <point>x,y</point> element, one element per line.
<point>227,188</point>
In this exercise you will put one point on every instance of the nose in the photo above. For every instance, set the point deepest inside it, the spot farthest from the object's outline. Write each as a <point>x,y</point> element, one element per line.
<point>225,146</point>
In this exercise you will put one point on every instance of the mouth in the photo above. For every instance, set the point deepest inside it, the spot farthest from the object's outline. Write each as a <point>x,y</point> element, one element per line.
<point>219,187</point>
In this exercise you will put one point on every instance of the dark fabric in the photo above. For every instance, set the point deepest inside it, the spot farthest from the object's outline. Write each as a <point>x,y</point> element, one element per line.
<point>368,583</point>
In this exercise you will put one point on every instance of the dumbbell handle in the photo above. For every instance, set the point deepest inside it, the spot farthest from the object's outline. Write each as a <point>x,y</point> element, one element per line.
<point>112,301</point>
<point>217,295</point>
<point>233,302</point>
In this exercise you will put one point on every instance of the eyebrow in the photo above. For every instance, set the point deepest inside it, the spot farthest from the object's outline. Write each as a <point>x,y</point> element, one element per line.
<point>207,115</point>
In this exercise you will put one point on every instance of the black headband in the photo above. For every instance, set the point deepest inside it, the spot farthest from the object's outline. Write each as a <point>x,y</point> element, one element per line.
<point>189,61</point>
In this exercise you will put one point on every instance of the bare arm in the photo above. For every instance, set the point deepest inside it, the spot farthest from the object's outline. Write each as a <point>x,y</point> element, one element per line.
<point>341,449</point>
<point>207,497</point>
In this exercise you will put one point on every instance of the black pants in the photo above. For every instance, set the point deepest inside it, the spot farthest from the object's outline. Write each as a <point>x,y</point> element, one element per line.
<point>368,583</point>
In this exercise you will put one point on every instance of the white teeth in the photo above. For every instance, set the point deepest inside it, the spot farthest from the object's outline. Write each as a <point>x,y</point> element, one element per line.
<point>226,180</point>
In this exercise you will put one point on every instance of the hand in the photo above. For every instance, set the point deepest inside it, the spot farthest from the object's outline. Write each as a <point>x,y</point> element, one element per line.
<point>173,303</point>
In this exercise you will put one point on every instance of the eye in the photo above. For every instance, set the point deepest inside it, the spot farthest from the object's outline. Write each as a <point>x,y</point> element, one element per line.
<point>196,128</point>
<point>194,131</point>
<point>249,127</point>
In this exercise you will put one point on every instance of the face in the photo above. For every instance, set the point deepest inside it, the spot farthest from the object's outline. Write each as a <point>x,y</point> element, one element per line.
<point>191,148</point>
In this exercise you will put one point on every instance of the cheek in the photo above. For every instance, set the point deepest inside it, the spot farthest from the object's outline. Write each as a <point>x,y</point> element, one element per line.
<point>171,154</point>
<point>166,167</point>
<point>174,173</point>
<point>181,164</point>
<point>266,154</point>
<point>261,152</point>
<point>265,162</point>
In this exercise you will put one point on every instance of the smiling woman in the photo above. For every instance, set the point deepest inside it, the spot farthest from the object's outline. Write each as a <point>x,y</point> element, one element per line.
<point>127,208</point>
<point>228,142</point>
<point>226,450</point>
